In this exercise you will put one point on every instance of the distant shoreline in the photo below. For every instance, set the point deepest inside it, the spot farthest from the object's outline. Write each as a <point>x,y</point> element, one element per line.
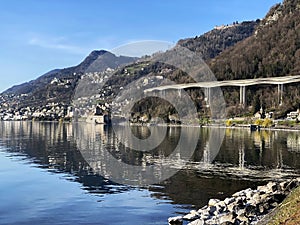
<point>221,125</point>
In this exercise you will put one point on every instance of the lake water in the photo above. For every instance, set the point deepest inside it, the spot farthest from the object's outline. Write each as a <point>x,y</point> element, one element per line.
<point>54,173</point>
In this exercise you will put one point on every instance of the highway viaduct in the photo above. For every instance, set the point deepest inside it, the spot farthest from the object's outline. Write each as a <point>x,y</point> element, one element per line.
<point>243,83</point>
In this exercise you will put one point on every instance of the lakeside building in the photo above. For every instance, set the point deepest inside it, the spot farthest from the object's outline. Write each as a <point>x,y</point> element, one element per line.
<point>293,115</point>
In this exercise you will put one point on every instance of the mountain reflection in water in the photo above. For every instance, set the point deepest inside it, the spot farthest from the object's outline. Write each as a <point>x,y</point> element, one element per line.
<point>79,151</point>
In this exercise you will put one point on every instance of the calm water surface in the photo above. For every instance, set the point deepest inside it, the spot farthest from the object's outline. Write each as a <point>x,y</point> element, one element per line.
<point>53,173</point>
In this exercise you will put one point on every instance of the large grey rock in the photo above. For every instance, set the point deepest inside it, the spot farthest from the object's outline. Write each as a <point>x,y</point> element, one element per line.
<point>205,217</point>
<point>175,220</point>
<point>228,217</point>
<point>213,202</point>
<point>261,208</point>
<point>240,200</point>
<point>284,186</point>
<point>212,221</point>
<point>221,207</point>
<point>265,197</point>
<point>193,215</point>
<point>231,207</point>
<point>212,210</point>
<point>197,222</point>
<point>250,210</point>
<point>228,201</point>
<point>264,189</point>
<point>273,186</point>
<point>256,198</point>
<point>242,218</point>
<point>249,193</point>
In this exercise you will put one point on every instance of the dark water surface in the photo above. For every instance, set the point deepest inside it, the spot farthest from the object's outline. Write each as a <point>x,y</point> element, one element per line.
<point>52,173</point>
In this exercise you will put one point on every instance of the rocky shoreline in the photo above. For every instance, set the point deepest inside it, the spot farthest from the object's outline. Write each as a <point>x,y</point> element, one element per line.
<point>244,207</point>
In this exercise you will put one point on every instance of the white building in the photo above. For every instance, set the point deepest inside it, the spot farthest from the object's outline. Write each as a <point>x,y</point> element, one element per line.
<point>293,115</point>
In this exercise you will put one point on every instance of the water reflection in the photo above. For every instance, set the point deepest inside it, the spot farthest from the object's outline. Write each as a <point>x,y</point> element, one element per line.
<point>85,150</point>
<point>263,154</point>
<point>51,146</point>
<point>156,159</point>
<point>293,142</point>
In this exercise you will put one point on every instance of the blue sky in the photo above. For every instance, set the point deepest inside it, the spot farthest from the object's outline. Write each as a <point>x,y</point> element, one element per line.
<point>41,35</point>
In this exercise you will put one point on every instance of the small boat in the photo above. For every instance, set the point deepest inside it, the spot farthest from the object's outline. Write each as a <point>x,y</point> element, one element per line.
<point>254,127</point>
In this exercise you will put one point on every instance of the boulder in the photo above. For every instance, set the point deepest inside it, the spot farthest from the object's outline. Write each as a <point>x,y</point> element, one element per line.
<point>278,197</point>
<point>213,202</point>
<point>197,222</point>
<point>193,215</point>
<point>256,198</point>
<point>250,210</point>
<point>244,207</point>
<point>249,193</point>
<point>212,210</point>
<point>228,201</point>
<point>221,207</point>
<point>273,186</point>
<point>242,218</point>
<point>264,189</point>
<point>227,218</point>
<point>231,207</point>
<point>175,220</point>
<point>283,185</point>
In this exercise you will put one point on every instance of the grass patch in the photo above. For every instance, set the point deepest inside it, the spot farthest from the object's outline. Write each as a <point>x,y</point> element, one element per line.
<point>288,123</point>
<point>289,211</point>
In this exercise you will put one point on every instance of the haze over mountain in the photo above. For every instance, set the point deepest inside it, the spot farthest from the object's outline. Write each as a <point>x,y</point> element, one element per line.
<point>58,85</point>
<point>96,61</point>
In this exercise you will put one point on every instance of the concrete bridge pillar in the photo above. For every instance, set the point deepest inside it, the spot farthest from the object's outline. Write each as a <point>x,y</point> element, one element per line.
<point>179,92</point>
<point>243,95</point>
